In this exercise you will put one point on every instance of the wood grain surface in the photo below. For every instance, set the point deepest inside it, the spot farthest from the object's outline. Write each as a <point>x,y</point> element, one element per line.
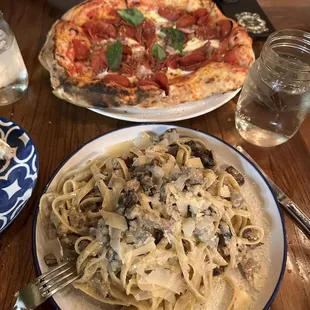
<point>58,128</point>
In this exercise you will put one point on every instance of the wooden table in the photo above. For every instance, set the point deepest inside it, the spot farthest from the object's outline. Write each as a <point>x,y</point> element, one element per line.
<point>58,128</point>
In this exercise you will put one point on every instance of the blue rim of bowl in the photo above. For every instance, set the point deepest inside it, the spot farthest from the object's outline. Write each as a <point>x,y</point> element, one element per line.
<point>34,247</point>
<point>35,182</point>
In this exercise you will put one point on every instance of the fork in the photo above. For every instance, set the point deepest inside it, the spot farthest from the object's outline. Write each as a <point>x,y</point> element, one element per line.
<point>34,294</point>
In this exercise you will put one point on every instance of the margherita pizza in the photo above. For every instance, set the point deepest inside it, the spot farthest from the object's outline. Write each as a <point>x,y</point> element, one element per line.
<point>145,53</point>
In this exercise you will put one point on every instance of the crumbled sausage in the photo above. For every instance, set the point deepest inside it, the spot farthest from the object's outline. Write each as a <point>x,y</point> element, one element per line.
<point>144,175</point>
<point>126,199</point>
<point>77,218</point>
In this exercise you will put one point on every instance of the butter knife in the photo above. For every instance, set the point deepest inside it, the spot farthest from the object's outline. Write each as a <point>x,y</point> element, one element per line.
<point>288,205</point>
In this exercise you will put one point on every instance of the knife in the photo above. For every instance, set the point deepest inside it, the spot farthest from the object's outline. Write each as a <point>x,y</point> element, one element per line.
<point>288,205</point>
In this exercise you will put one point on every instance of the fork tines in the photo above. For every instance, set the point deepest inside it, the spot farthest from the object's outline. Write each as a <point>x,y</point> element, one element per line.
<point>51,282</point>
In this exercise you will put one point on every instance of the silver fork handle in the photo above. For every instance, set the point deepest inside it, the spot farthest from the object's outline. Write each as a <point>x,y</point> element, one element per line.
<point>19,306</point>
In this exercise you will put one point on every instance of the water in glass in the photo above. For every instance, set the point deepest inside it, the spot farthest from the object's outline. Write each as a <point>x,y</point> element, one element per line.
<point>13,73</point>
<point>275,97</point>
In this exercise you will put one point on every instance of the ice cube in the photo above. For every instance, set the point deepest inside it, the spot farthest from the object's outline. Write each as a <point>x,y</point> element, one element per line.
<point>2,44</point>
<point>3,35</point>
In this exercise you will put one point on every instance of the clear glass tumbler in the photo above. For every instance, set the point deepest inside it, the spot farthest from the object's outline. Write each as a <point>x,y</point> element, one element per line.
<point>275,98</point>
<point>13,72</point>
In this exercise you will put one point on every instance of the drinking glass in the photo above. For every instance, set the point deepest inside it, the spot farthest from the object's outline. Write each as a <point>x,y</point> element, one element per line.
<point>13,72</point>
<point>275,98</point>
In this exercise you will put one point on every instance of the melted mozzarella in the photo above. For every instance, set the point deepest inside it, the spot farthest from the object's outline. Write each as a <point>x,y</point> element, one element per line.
<point>137,49</point>
<point>130,42</point>
<point>195,43</point>
<point>143,71</point>
<point>102,74</point>
<point>156,17</point>
<point>174,73</point>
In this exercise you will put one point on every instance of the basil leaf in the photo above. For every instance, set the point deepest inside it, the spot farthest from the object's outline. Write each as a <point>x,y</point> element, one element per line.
<point>132,16</point>
<point>158,52</point>
<point>114,55</point>
<point>174,38</point>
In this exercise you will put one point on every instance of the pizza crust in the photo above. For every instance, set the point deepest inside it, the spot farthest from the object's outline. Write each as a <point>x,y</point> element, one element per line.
<point>213,78</point>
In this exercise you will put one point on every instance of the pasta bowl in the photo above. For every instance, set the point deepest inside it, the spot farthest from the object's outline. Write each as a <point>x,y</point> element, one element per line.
<point>259,192</point>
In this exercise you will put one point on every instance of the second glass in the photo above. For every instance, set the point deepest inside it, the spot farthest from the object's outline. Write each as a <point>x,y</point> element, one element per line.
<point>13,72</point>
<point>275,98</point>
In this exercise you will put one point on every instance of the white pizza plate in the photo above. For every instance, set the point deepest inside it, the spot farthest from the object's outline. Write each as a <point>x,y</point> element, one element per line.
<point>170,114</point>
<point>71,299</point>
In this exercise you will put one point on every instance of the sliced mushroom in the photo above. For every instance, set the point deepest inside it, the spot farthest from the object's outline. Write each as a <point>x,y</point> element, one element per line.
<point>251,234</point>
<point>236,174</point>
<point>205,155</point>
<point>173,149</point>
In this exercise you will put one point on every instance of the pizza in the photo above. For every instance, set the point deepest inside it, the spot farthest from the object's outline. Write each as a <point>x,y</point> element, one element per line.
<point>145,54</point>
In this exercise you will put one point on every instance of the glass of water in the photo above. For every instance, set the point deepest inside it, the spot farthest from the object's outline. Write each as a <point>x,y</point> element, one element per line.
<point>275,98</point>
<point>13,73</point>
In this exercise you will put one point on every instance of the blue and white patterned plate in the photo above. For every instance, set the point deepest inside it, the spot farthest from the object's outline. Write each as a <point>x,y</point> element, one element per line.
<point>18,175</point>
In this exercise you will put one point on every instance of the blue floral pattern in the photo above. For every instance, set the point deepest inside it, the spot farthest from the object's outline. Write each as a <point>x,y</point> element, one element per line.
<point>18,175</point>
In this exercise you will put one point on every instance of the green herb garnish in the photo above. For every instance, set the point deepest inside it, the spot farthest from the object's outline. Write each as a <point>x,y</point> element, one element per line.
<point>114,55</point>
<point>158,52</point>
<point>174,38</point>
<point>131,16</point>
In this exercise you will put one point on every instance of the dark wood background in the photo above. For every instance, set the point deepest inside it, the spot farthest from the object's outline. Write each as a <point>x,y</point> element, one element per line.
<point>58,128</point>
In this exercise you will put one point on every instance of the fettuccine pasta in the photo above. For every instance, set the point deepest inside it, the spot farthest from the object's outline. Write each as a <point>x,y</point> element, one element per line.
<point>153,228</point>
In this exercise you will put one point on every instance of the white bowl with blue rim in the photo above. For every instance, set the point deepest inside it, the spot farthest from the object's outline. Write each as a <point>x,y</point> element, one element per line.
<point>18,175</point>
<point>71,299</point>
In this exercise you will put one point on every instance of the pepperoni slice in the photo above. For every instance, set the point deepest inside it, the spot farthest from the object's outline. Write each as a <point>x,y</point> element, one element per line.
<point>99,30</point>
<point>205,49</point>
<point>147,83</point>
<point>126,31</point>
<point>162,80</point>
<point>170,13</point>
<point>148,33</point>
<point>115,18</point>
<point>200,13</point>
<point>127,50</point>
<point>202,21</point>
<point>191,59</point>
<point>195,66</point>
<point>185,21</point>
<point>150,58</point>
<point>172,61</point>
<point>98,61</point>
<point>81,49</point>
<point>126,69</point>
<point>225,27</point>
<point>117,79</point>
<point>206,33</point>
